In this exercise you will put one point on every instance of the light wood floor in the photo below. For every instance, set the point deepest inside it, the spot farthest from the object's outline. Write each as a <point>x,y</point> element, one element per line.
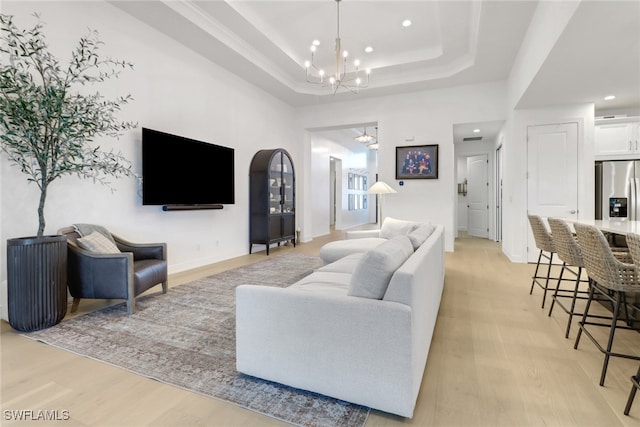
<point>496,359</point>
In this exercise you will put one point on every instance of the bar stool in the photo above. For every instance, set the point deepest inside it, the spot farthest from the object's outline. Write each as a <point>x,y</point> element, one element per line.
<point>635,385</point>
<point>633,243</point>
<point>611,279</point>
<point>569,252</point>
<point>544,242</point>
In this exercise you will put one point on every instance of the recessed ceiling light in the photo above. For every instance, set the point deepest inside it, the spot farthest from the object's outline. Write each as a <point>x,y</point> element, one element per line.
<point>609,97</point>
<point>406,23</point>
<point>368,49</point>
<point>476,130</point>
<point>316,43</point>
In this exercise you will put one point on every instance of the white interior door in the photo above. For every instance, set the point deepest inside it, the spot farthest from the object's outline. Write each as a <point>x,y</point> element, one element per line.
<point>478,194</point>
<point>552,173</point>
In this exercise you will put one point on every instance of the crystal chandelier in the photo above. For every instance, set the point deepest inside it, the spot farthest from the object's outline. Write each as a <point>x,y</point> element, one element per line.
<point>352,81</point>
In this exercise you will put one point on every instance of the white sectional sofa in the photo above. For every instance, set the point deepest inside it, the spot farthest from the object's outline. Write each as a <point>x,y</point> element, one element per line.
<point>360,241</point>
<point>345,333</point>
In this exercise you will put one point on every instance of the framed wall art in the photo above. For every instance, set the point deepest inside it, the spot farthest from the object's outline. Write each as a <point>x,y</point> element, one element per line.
<point>417,162</point>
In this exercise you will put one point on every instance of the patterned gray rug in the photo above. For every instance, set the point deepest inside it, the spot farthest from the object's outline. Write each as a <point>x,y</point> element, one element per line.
<point>186,338</point>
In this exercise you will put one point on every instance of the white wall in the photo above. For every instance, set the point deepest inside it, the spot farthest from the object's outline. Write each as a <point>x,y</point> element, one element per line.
<point>176,91</point>
<point>428,117</point>
<point>547,25</point>
<point>515,225</point>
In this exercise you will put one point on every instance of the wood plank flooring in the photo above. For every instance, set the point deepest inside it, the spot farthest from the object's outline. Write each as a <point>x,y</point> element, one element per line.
<point>496,359</point>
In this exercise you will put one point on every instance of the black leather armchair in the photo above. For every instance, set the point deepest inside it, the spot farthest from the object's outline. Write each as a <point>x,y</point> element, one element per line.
<point>114,276</point>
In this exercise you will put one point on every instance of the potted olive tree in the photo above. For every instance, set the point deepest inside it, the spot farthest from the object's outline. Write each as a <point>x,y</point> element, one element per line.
<point>49,119</point>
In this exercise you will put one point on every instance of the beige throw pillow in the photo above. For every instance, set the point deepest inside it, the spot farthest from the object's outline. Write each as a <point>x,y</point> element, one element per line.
<point>97,242</point>
<point>392,227</point>
<point>86,229</point>
<point>371,275</point>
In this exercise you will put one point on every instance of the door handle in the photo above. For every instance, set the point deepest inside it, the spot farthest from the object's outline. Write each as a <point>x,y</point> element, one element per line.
<point>572,212</point>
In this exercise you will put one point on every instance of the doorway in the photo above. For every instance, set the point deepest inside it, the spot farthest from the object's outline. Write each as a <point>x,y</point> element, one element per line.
<point>475,145</point>
<point>499,193</point>
<point>335,192</point>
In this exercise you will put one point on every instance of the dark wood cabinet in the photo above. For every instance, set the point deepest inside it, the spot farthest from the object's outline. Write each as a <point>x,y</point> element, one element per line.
<point>272,198</point>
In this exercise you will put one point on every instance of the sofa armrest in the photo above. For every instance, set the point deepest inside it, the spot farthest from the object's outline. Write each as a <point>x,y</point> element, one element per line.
<point>354,349</point>
<point>361,234</point>
<point>142,250</point>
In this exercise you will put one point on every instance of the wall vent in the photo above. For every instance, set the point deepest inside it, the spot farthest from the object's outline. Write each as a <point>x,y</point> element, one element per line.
<point>472,138</point>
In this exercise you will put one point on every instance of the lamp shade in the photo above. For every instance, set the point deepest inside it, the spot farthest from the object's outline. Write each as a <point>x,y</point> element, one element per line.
<point>381,188</point>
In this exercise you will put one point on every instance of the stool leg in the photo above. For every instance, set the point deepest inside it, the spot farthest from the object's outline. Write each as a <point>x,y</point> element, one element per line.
<point>612,332</point>
<point>535,274</point>
<point>632,394</point>
<point>573,302</point>
<point>546,283</point>
<point>584,316</point>
<point>555,294</point>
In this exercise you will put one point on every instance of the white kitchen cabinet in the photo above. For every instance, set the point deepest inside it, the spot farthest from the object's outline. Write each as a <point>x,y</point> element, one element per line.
<point>617,139</point>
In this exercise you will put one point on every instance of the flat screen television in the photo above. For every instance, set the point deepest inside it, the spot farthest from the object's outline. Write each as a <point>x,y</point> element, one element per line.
<point>178,171</point>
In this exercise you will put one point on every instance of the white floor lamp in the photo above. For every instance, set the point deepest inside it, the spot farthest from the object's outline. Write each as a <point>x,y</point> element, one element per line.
<point>380,189</point>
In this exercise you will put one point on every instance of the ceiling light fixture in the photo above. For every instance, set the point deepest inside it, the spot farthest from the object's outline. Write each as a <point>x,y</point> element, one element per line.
<point>349,80</point>
<point>609,97</point>
<point>365,137</point>
<point>406,23</point>
<point>476,130</point>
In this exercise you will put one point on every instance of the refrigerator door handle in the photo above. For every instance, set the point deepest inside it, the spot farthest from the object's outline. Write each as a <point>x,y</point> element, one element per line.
<point>633,193</point>
<point>634,205</point>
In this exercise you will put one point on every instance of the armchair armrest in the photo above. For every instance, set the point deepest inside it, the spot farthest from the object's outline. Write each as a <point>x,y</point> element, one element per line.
<point>93,275</point>
<point>142,250</point>
<point>361,234</point>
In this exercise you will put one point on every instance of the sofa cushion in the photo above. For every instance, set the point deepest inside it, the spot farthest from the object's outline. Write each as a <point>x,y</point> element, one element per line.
<point>420,234</point>
<point>343,265</point>
<point>97,242</point>
<point>392,227</point>
<point>371,275</point>
<point>325,282</point>
<point>333,251</point>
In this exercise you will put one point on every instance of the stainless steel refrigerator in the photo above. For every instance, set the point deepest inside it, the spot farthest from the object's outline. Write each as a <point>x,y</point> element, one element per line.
<point>617,190</point>
<point>617,197</point>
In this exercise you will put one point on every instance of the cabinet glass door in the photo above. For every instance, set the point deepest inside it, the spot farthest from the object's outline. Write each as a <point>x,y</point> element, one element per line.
<point>275,184</point>
<point>287,185</point>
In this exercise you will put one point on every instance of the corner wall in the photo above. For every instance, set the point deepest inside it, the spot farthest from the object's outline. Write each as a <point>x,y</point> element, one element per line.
<point>548,24</point>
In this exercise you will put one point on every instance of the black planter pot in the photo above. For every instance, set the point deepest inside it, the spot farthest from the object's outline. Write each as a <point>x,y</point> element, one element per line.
<point>37,282</point>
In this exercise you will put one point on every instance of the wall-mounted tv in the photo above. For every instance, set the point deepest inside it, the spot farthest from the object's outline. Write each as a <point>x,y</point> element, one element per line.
<point>178,171</point>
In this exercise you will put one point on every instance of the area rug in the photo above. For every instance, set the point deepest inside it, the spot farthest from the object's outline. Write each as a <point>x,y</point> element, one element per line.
<point>186,338</point>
